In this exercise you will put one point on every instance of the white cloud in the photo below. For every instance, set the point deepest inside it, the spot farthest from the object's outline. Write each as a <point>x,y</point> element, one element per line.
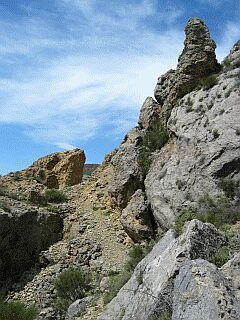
<point>229,37</point>
<point>93,83</point>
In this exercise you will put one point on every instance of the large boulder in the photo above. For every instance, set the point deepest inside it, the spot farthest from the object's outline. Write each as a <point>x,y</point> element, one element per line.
<point>202,292</point>
<point>59,170</point>
<point>149,292</point>
<point>126,178</point>
<point>136,218</point>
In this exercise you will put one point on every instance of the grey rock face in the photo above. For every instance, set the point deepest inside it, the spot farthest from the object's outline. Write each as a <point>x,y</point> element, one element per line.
<point>197,60</point>
<point>203,292</point>
<point>23,234</point>
<point>127,177</point>
<point>149,291</point>
<point>149,112</point>
<point>232,270</point>
<point>78,306</point>
<point>232,60</point>
<point>205,148</point>
<point>136,218</point>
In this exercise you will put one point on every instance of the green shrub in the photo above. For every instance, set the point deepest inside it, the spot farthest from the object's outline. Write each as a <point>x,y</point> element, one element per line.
<point>208,82</point>
<point>229,186</point>
<point>17,176</point>
<point>4,205</point>
<point>215,133</point>
<point>117,281</point>
<point>136,254</point>
<point>221,256</point>
<point>16,310</point>
<point>185,215</point>
<point>237,64</point>
<point>219,211</point>
<point>226,62</point>
<point>55,196</point>
<point>154,139</point>
<point>72,284</point>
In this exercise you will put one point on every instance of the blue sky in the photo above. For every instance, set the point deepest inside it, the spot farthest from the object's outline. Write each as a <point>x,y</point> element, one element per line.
<point>74,73</point>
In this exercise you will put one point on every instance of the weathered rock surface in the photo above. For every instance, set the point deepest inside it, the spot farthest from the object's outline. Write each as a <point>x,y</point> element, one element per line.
<point>201,291</point>
<point>93,240</point>
<point>197,60</point>
<point>23,235</point>
<point>59,170</point>
<point>137,219</point>
<point>149,292</point>
<point>78,306</point>
<point>232,271</point>
<point>205,148</point>
<point>127,175</point>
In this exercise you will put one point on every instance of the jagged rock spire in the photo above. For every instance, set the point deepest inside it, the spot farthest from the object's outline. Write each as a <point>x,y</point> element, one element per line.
<point>198,57</point>
<point>197,60</point>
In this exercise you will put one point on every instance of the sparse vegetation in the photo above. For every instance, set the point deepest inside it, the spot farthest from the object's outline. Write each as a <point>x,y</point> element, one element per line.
<point>215,133</point>
<point>208,82</point>
<point>221,256</point>
<point>237,132</point>
<point>4,205</point>
<point>117,281</point>
<point>154,139</point>
<point>227,93</point>
<point>16,310</point>
<point>226,62</point>
<point>54,196</point>
<point>230,187</point>
<point>237,64</point>
<point>210,105</point>
<point>185,215</point>
<point>71,285</point>
<point>220,212</point>
<point>189,109</point>
<point>17,176</point>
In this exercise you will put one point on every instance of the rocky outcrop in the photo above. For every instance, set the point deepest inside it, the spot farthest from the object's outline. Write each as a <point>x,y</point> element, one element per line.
<point>205,150</point>
<point>197,60</point>
<point>59,170</point>
<point>231,270</point>
<point>126,178</point>
<point>136,218</point>
<point>150,290</point>
<point>23,235</point>
<point>201,291</point>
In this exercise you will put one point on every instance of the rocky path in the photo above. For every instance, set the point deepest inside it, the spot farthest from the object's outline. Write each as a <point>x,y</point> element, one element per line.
<point>93,239</point>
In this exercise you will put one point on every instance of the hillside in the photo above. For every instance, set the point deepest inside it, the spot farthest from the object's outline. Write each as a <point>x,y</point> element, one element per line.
<point>169,196</point>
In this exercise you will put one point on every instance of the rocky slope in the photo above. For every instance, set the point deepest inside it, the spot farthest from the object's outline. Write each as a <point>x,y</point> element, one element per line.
<point>180,163</point>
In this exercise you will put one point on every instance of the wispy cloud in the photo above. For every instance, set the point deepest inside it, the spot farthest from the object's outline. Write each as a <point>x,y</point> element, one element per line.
<point>85,67</point>
<point>229,37</point>
<point>81,84</point>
